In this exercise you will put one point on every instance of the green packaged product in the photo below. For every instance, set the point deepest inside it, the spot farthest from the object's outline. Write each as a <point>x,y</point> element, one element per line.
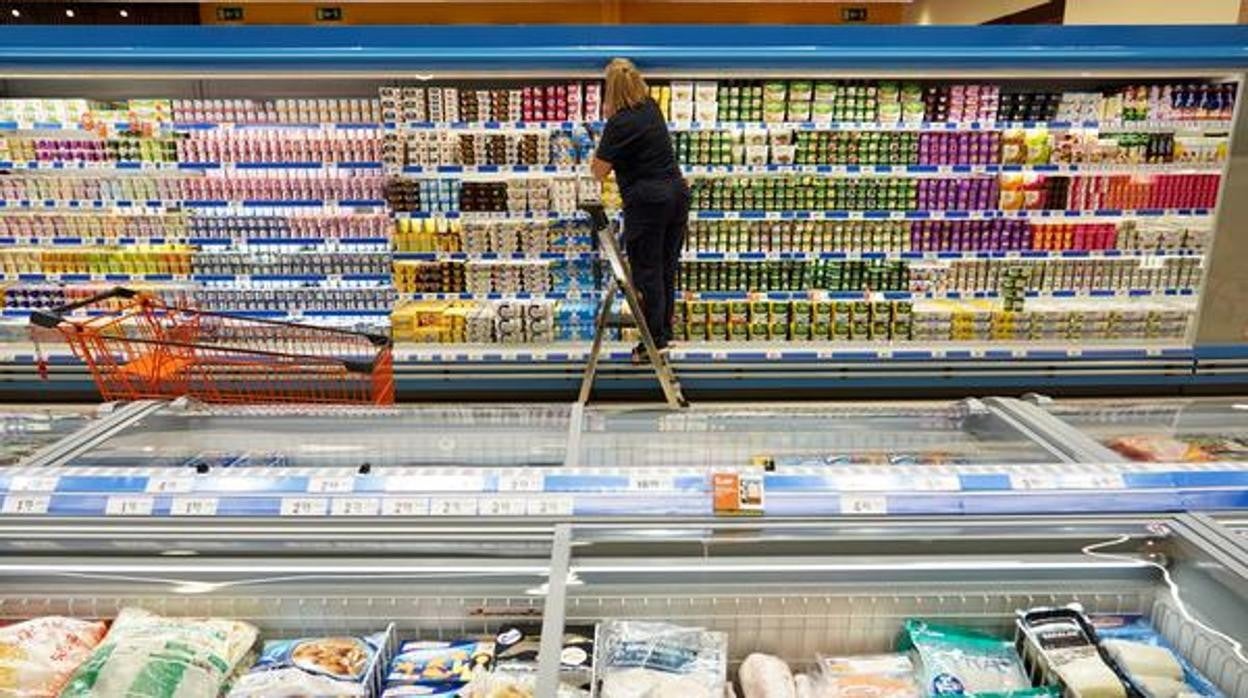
<point>760,330</point>
<point>957,661</point>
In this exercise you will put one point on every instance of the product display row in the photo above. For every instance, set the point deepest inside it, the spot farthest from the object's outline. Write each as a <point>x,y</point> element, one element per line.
<point>823,320</point>
<point>1146,235</point>
<point>1057,650</point>
<point>294,201</point>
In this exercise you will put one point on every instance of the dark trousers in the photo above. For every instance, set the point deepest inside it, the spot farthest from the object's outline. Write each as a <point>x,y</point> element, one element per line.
<point>656,216</point>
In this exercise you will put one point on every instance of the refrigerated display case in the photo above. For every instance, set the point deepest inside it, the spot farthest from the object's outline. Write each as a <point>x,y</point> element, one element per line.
<point>27,429</point>
<point>1175,430</point>
<point>1043,207</point>
<point>795,591</point>
<point>995,456</point>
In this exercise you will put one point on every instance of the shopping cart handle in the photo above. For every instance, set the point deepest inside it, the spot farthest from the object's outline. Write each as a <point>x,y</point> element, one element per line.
<point>597,214</point>
<point>54,317</point>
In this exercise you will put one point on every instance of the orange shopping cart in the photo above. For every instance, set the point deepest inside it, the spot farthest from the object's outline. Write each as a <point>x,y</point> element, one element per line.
<point>142,347</point>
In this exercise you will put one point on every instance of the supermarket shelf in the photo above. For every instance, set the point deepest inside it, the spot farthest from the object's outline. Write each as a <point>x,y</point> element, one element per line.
<point>78,278</point>
<point>1117,126</point>
<point>554,295</point>
<point>940,255</point>
<point>709,214</point>
<point>289,242</point>
<point>233,126</point>
<point>492,256</point>
<point>74,241</point>
<point>1056,168</point>
<point>945,295</point>
<point>767,369</point>
<point>188,203</point>
<point>434,170</point>
<point>490,215</point>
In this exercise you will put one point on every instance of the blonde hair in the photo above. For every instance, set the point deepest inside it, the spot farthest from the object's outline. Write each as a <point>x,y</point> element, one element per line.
<point>625,86</point>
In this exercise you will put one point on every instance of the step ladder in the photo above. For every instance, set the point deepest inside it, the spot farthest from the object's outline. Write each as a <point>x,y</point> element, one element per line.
<point>605,231</point>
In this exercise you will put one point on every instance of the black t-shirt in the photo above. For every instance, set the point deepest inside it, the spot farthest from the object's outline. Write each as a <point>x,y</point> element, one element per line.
<point>636,143</point>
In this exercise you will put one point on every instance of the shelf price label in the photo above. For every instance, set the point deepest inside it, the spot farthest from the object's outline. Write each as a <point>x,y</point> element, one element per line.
<point>502,506</point>
<point>453,506</point>
<point>355,506</point>
<point>193,506</point>
<point>304,506</point>
<point>550,507</point>
<point>651,483</point>
<point>331,485</point>
<point>129,505</point>
<point>521,480</point>
<point>157,484</point>
<point>33,483</point>
<point>405,506</point>
<point>1094,481</point>
<point>1033,481</point>
<point>26,504</point>
<point>864,505</point>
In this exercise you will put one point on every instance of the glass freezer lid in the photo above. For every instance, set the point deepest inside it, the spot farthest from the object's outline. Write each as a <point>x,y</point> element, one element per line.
<point>25,429</point>
<point>1195,430</point>
<point>811,434</point>
<point>216,437</point>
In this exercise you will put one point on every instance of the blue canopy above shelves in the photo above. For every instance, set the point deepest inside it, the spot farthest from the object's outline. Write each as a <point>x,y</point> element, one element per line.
<point>584,48</point>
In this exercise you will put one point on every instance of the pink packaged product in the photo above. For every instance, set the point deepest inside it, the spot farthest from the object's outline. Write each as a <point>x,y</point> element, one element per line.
<point>280,111</point>
<point>959,194</point>
<point>282,145</point>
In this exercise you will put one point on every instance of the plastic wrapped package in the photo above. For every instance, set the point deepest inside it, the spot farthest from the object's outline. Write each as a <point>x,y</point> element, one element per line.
<point>324,666</point>
<point>866,676</point>
<point>641,659</point>
<point>765,676</point>
<point>146,655</point>
<point>1156,668</point>
<point>37,656</point>
<point>516,647</point>
<point>956,661</point>
<point>1066,643</point>
<point>433,666</point>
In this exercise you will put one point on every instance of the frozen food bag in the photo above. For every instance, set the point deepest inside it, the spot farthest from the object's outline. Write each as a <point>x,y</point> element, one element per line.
<point>765,676</point>
<point>321,666</point>
<point>145,655</point>
<point>37,656</point>
<point>867,676</point>
<point>428,662</point>
<point>1064,641</point>
<point>1151,662</point>
<point>960,661</point>
<point>517,645</point>
<point>642,659</point>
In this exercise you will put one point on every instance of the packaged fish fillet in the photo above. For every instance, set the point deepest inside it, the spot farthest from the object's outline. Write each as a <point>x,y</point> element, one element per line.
<point>960,661</point>
<point>867,676</point>
<point>323,666</point>
<point>1152,663</point>
<point>641,659</point>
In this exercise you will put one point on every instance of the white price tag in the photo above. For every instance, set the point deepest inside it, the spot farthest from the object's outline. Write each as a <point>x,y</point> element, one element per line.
<point>936,483</point>
<point>864,505</point>
<point>33,483</point>
<point>405,506</point>
<point>435,483</point>
<point>304,506</point>
<point>1093,481</point>
<point>521,480</point>
<point>651,483</point>
<point>719,355</point>
<point>158,484</point>
<point>1032,481</point>
<point>775,355</point>
<point>26,504</point>
<point>331,485</point>
<point>863,483</point>
<point>355,506</point>
<point>550,506</point>
<point>502,506</point>
<point>193,506</point>
<point>453,506</point>
<point>129,505</point>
